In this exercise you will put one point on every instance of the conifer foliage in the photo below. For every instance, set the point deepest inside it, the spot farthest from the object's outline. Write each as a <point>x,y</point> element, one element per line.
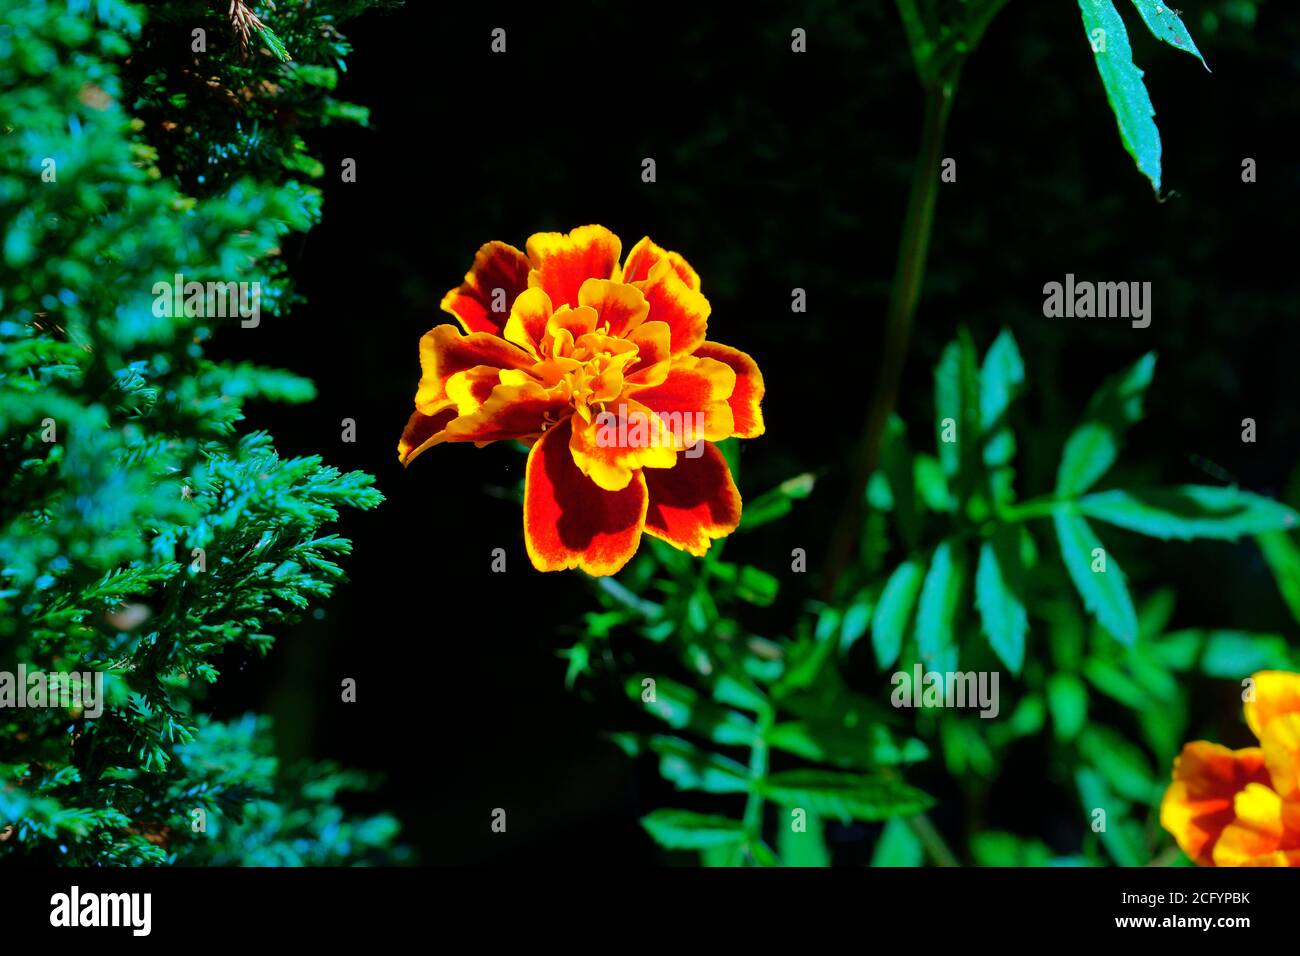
<point>143,533</point>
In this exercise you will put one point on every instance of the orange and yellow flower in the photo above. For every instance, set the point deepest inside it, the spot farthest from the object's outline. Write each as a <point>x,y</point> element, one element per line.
<point>601,367</point>
<point>1242,807</point>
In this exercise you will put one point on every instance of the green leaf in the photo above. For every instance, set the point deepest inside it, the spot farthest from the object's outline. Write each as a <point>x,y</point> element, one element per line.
<point>1121,836</point>
<point>889,625</point>
<point>956,397</point>
<point>683,709</point>
<point>1067,699</point>
<point>1001,379</point>
<point>851,748</point>
<point>1237,654</point>
<point>806,848</point>
<point>689,768</point>
<point>1283,559</point>
<point>932,485</point>
<point>999,596</point>
<point>1115,683</point>
<point>994,848</point>
<point>1190,511</point>
<point>776,503</point>
<point>1094,445</point>
<point>898,846</point>
<point>274,44</point>
<point>1121,763</point>
<point>1177,650</point>
<point>1104,593</point>
<point>1124,87</point>
<point>857,618</point>
<point>684,830</point>
<point>939,597</point>
<point>844,796</point>
<point>1166,25</point>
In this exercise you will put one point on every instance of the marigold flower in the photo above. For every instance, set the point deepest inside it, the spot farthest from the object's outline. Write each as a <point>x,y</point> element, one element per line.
<point>1242,807</point>
<point>603,369</point>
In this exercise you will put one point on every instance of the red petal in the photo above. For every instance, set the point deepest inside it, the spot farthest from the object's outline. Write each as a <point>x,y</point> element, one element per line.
<point>673,301</point>
<point>569,522</point>
<point>421,428</point>
<point>692,400</point>
<point>748,393</point>
<point>692,502</point>
<point>562,263</point>
<point>444,351</point>
<point>497,266</point>
<point>645,255</point>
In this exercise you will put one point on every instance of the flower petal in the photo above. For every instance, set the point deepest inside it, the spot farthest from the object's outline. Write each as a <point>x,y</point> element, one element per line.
<point>619,308</point>
<point>476,302</point>
<point>616,443</point>
<point>1198,804</point>
<point>1262,832</point>
<point>1276,693</point>
<point>569,521</point>
<point>645,255</point>
<point>1281,744</point>
<point>654,354</point>
<point>673,301</point>
<point>562,263</point>
<point>421,427</point>
<point>444,351</point>
<point>694,501</point>
<point>748,394</point>
<point>692,400</point>
<point>528,317</point>
<point>513,411</point>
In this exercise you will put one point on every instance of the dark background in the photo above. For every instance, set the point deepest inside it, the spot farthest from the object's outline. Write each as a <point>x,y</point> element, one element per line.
<point>775,170</point>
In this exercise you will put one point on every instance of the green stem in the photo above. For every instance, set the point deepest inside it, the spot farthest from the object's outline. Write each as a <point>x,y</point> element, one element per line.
<point>758,760</point>
<point>1033,508</point>
<point>932,840</point>
<point>909,278</point>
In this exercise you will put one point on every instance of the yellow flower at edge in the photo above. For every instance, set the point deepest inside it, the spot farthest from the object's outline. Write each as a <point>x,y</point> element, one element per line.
<point>1242,807</point>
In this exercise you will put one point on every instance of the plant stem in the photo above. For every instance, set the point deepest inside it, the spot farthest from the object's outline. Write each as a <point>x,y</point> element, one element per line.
<point>909,277</point>
<point>932,840</point>
<point>757,773</point>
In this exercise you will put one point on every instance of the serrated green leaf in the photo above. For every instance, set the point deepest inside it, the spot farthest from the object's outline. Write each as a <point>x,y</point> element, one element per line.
<point>1122,80</point>
<point>889,623</point>
<point>688,767</point>
<point>937,611</point>
<point>684,830</point>
<point>683,709</point>
<point>999,597</point>
<point>1104,593</point>
<point>850,748</point>
<point>844,796</point>
<point>1165,24</point>
<point>1094,445</point>
<point>1001,378</point>
<point>956,397</point>
<point>1190,511</point>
